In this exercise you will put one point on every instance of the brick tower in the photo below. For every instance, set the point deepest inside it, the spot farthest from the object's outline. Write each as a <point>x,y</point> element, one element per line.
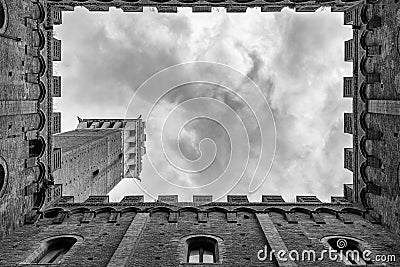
<point>133,140</point>
<point>87,162</point>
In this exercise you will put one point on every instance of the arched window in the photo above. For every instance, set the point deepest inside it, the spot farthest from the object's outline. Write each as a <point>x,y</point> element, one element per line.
<point>349,250</point>
<point>2,15</point>
<point>202,249</point>
<point>36,147</point>
<point>3,176</point>
<point>53,249</point>
<point>56,249</point>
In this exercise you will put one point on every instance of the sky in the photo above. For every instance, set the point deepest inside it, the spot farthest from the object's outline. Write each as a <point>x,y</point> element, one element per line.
<point>247,103</point>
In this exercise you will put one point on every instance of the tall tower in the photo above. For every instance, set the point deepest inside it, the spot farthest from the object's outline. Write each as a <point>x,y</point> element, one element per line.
<point>133,140</point>
<point>87,162</point>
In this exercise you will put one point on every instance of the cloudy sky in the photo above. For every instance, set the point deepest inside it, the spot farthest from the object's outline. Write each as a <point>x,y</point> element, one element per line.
<point>234,103</point>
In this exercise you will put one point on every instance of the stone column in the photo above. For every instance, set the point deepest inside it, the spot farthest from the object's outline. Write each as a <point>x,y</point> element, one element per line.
<point>274,239</point>
<point>130,241</point>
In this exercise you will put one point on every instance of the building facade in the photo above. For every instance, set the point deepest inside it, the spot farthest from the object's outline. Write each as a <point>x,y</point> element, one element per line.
<point>232,233</point>
<point>25,109</point>
<point>374,123</point>
<point>87,162</point>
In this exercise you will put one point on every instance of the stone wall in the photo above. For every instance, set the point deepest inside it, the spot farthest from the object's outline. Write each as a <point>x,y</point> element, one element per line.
<point>25,106</point>
<point>91,162</point>
<point>375,110</point>
<point>155,233</point>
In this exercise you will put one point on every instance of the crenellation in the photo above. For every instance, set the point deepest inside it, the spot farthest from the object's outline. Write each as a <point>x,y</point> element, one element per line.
<point>56,86</point>
<point>56,16</point>
<point>348,159</point>
<point>56,49</point>
<point>56,122</point>
<point>201,6</point>
<point>167,9</point>
<point>132,199</point>
<point>97,200</point>
<point>307,199</point>
<point>202,199</point>
<point>349,50</point>
<point>236,9</point>
<point>348,123</point>
<point>237,199</point>
<point>168,198</point>
<point>272,199</point>
<point>348,88</point>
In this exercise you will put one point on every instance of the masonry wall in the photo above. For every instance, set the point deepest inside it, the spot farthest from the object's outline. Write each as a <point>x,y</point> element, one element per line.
<point>134,137</point>
<point>162,242</point>
<point>91,162</point>
<point>376,114</point>
<point>154,234</point>
<point>101,239</point>
<point>197,6</point>
<point>24,109</point>
<point>306,234</point>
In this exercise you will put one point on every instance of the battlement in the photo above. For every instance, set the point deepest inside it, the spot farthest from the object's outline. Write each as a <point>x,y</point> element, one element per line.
<point>174,211</point>
<point>207,200</point>
<point>234,6</point>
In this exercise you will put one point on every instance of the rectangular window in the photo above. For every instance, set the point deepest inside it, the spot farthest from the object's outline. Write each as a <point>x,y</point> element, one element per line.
<point>57,16</point>
<point>56,86</point>
<point>56,122</point>
<point>56,158</point>
<point>348,123</point>
<point>56,49</point>
<point>348,50</point>
<point>348,17</point>
<point>348,87</point>
<point>348,158</point>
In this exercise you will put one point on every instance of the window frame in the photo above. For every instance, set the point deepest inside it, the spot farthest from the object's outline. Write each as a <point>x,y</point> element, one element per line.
<point>202,244</point>
<point>46,244</point>
<point>355,244</point>
<point>187,242</point>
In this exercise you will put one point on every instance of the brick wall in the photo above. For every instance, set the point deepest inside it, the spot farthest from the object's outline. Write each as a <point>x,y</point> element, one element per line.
<point>155,234</point>
<point>24,107</point>
<point>377,120</point>
<point>100,239</point>
<point>91,163</point>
